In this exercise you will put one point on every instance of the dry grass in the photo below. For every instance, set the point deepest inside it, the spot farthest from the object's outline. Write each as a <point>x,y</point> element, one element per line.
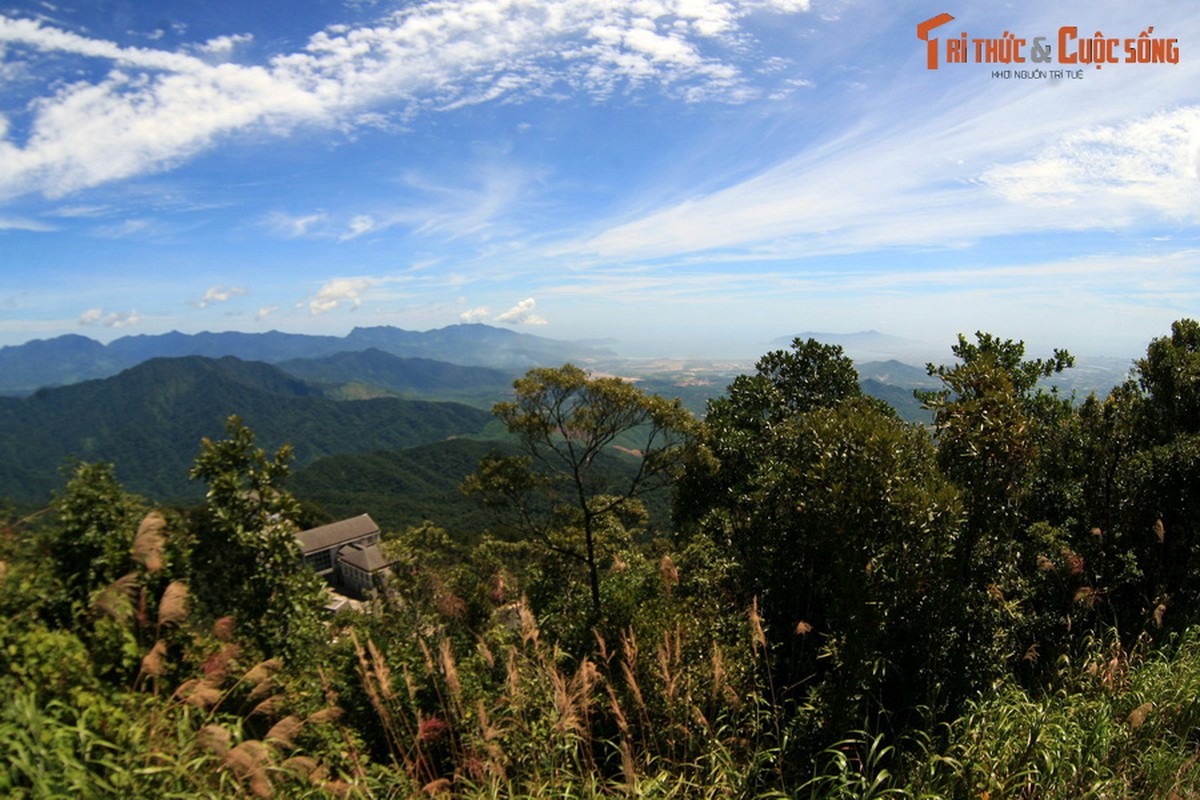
<point>173,607</point>
<point>509,714</point>
<point>149,542</point>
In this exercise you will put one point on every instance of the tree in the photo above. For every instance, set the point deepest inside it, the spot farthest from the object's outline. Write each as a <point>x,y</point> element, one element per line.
<point>734,438</point>
<point>1005,442</point>
<point>1157,481</point>
<point>246,561</point>
<point>96,522</point>
<point>992,424</point>
<point>592,448</point>
<point>1170,377</point>
<point>841,530</point>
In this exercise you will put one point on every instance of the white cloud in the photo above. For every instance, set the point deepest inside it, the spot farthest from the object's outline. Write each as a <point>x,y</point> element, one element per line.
<point>522,314</point>
<point>340,291</point>
<point>115,319</point>
<point>155,108</point>
<point>265,312</point>
<point>477,314</point>
<point>219,294</point>
<point>222,46</point>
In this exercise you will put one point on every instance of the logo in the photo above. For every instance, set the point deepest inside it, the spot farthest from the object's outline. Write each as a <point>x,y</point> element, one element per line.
<point>1066,48</point>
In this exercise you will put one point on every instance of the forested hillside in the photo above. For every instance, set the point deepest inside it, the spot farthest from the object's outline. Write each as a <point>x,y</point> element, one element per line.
<point>150,419</point>
<point>1005,603</point>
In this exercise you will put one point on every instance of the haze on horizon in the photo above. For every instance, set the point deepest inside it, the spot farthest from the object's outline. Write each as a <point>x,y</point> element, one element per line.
<point>688,177</point>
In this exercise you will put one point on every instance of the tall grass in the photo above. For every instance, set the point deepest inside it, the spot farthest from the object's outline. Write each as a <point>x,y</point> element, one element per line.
<point>516,716</point>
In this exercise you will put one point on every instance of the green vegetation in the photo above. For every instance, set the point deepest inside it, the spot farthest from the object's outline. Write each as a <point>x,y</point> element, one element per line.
<point>847,605</point>
<point>149,420</point>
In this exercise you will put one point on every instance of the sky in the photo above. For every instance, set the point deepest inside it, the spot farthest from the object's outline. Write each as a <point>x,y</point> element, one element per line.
<point>684,177</point>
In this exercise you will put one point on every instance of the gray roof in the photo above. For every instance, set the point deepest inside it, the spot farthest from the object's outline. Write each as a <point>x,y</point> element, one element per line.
<point>336,533</point>
<point>368,558</point>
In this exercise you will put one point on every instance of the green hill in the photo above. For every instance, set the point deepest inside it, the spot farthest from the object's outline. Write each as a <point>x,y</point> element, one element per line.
<point>149,420</point>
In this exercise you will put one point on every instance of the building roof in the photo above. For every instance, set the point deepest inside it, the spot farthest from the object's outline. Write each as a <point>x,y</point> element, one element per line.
<point>368,558</point>
<point>336,533</point>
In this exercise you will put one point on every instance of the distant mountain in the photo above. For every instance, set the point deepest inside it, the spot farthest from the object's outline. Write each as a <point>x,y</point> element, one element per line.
<point>149,420</point>
<point>473,345</point>
<point>269,347</point>
<point>51,362</point>
<point>69,359</point>
<point>416,377</point>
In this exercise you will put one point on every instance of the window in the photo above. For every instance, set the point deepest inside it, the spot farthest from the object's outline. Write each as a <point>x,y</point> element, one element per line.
<point>321,560</point>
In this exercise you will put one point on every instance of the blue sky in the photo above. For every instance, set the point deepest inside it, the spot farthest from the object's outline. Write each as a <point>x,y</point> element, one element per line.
<point>690,177</point>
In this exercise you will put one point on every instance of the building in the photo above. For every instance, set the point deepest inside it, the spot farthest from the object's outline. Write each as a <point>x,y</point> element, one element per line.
<point>345,553</point>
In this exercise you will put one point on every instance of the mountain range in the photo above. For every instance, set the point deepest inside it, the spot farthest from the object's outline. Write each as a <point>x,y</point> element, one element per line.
<point>72,358</point>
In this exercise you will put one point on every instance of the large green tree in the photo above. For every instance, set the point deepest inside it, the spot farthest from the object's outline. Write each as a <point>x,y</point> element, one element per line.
<point>1155,485</point>
<point>96,524</point>
<point>593,447</point>
<point>1169,376</point>
<point>1005,441</point>
<point>246,560</point>
<point>841,528</point>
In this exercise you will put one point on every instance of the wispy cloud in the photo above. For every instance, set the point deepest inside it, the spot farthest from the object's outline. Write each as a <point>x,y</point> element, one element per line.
<point>359,225</point>
<point>474,207</point>
<point>1146,163</point>
<point>485,203</point>
<point>155,108</point>
<point>80,212</point>
<point>24,224</point>
<point>934,160</point>
<point>141,227</point>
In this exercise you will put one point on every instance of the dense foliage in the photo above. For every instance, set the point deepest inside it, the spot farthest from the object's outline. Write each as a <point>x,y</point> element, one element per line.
<point>1003,603</point>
